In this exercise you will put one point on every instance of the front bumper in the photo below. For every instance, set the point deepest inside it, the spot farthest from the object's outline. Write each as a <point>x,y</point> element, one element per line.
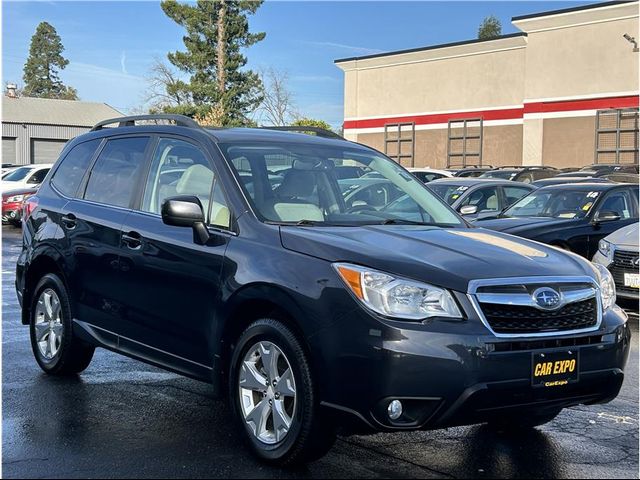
<point>450,373</point>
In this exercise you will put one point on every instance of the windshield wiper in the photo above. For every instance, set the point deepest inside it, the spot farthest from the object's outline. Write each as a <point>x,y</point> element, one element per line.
<point>400,221</point>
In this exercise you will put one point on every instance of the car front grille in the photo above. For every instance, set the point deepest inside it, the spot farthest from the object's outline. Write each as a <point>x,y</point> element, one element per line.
<point>623,262</point>
<point>520,319</point>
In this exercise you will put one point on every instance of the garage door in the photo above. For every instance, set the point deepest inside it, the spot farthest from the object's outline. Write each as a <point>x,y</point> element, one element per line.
<point>46,151</point>
<point>8,150</point>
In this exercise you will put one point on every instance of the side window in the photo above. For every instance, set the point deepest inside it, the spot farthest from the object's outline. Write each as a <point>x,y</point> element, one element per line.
<point>513,194</point>
<point>619,202</point>
<point>115,174</point>
<point>69,174</point>
<point>181,168</point>
<point>486,199</point>
<point>38,177</point>
<point>525,177</point>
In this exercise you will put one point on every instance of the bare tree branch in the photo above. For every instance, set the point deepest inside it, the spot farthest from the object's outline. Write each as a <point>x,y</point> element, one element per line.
<point>164,84</point>
<point>278,106</point>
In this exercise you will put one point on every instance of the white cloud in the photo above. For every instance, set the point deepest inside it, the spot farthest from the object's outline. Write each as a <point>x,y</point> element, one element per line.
<point>123,60</point>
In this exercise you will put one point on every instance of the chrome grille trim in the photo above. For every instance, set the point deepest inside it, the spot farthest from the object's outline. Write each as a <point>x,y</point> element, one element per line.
<point>525,300</point>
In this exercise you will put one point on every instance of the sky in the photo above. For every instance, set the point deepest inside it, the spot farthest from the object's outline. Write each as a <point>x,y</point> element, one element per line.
<point>111,45</point>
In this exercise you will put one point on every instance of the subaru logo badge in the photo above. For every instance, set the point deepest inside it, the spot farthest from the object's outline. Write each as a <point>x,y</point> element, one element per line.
<point>636,262</point>
<point>546,298</point>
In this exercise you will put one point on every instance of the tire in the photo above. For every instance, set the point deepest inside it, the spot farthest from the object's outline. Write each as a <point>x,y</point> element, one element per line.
<point>59,352</point>
<point>308,436</point>
<point>523,421</point>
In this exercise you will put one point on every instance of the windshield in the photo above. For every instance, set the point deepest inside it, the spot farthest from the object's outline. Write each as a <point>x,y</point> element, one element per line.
<point>310,189</point>
<point>449,193</point>
<point>554,203</point>
<point>503,174</point>
<point>17,174</point>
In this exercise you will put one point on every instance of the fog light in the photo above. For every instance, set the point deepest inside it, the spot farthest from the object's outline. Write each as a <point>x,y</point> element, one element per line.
<point>395,409</point>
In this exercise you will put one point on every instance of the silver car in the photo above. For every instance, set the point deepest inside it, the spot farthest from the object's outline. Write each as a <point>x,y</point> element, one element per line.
<point>619,253</point>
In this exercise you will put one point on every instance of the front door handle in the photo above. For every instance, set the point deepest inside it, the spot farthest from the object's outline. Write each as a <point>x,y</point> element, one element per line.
<point>69,221</point>
<point>132,240</point>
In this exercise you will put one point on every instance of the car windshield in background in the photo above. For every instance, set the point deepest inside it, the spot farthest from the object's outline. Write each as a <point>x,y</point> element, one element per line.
<point>17,175</point>
<point>303,184</point>
<point>449,193</point>
<point>503,174</point>
<point>554,203</point>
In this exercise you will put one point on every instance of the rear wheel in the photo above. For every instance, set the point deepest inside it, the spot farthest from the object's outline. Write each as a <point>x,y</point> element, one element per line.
<point>56,349</point>
<point>274,398</point>
<point>523,421</point>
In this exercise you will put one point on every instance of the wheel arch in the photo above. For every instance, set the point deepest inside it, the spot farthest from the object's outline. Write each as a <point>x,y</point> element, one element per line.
<point>48,261</point>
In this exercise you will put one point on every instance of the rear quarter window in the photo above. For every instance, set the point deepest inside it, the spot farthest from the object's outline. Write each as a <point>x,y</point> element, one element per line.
<point>69,174</point>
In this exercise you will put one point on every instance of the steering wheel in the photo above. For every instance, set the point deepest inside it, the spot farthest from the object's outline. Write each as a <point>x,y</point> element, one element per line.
<point>361,208</point>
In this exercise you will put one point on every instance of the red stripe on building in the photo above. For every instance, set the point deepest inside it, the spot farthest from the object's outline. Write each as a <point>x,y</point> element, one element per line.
<point>504,114</point>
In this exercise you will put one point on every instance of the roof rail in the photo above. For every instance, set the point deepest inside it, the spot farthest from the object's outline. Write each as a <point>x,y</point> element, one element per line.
<point>320,132</point>
<point>179,120</point>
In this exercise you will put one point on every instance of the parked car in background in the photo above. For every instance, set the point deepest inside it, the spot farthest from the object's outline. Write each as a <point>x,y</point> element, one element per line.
<point>605,168</point>
<point>12,204</point>
<point>474,196</point>
<point>426,175</point>
<point>471,171</point>
<point>559,179</point>
<point>521,174</point>
<point>623,177</point>
<point>25,176</point>
<point>7,167</point>
<point>349,171</point>
<point>619,252</point>
<point>570,216</point>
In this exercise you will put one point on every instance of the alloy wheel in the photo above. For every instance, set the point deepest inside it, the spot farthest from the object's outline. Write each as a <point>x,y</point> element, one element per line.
<point>48,324</point>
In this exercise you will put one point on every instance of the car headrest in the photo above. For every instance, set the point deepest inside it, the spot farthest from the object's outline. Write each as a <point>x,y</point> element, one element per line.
<point>196,180</point>
<point>297,183</point>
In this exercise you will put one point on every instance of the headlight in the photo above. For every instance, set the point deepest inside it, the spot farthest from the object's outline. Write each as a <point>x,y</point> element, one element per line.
<point>15,198</point>
<point>607,286</point>
<point>397,297</point>
<point>604,248</point>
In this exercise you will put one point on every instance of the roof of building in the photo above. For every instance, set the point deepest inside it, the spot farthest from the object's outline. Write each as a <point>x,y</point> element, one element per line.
<point>46,111</point>
<point>583,8</point>
<point>571,10</point>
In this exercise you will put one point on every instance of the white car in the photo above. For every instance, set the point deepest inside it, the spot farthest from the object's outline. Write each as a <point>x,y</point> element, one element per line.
<point>426,174</point>
<point>619,253</point>
<point>25,176</point>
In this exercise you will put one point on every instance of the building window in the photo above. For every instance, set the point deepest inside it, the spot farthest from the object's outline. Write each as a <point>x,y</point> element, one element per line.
<point>464,145</point>
<point>617,136</point>
<point>399,142</point>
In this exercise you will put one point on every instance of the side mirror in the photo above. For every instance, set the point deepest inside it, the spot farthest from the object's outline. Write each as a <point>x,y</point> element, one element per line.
<point>469,210</point>
<point>606,216</point>
<point>186,211</point>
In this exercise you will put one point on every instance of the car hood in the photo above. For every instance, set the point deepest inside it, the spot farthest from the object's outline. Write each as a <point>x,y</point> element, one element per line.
<point>517,225</point>
<point>445,257</point>
<point>626,236</point>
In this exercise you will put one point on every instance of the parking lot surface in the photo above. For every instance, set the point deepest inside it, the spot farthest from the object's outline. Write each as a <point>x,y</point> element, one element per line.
<point>122,418</point>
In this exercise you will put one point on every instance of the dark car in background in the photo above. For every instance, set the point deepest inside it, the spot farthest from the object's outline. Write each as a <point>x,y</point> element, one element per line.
<point>521,174</point>
<point>473,196</point>
<point>559,180</point>
<point>570,216</point>
<point>368,193</point>
<point>470,171</point>
<point>606,168</point>
<point>308,313</point>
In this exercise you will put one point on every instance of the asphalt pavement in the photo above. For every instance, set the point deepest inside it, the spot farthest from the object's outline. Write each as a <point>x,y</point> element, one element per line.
<point>122,418</point>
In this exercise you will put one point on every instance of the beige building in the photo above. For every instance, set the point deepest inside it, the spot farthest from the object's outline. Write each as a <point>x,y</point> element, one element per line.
<point>562,92</point>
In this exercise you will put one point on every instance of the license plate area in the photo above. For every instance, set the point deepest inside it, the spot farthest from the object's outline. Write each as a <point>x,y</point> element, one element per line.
<point>632,280</point>
<point>555,369</point>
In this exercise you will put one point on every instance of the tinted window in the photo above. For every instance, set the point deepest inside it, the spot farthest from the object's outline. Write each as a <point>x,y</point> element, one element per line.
<point>17,175</point>
<point>513,194</point>
<point>486,199</point>
<point>69,174</point>
<point>620,202</point>
<point>38,177</point>
<point>116,171</point>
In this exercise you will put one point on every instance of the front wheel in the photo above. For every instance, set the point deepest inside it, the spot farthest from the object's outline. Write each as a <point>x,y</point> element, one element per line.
<point>274,398</point>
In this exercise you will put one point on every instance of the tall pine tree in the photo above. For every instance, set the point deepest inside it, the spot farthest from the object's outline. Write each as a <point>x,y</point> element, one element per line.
<point>45,60</point>
<point>219,87</point>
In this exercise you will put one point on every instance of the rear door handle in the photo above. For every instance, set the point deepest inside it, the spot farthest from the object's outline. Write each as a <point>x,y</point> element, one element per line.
<point>133,240</point>
<point>69,221</point>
